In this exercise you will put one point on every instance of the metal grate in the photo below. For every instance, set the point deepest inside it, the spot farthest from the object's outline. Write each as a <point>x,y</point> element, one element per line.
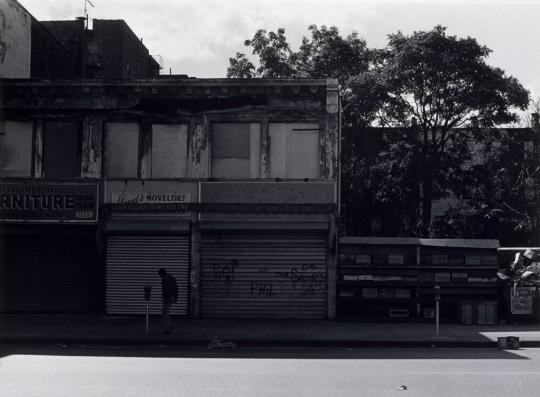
<point>263,277</point>
<point>133,262</point>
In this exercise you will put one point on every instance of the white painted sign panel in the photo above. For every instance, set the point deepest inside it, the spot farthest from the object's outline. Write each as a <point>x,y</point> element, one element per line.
<point>149,198</point>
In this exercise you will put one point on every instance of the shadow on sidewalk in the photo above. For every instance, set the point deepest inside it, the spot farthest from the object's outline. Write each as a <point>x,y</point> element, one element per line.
<point>303,353</point>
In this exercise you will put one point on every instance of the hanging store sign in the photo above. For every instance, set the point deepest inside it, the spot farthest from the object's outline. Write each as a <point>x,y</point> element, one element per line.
<point>49,202</point>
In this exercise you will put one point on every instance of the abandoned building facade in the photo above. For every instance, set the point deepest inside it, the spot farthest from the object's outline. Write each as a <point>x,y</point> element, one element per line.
<point>229,184</point>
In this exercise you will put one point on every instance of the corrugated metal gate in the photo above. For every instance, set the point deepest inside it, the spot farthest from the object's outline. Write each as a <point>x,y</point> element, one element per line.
<point>263,276</point>
<point>134,261</point>
<point>50,272</point>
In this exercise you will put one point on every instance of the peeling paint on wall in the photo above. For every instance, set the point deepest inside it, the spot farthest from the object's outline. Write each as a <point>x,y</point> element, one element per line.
<point>38,149</point>
<point>198,148</point>
<point>265,148</point>
<point>332,126</point>
<point>15,40</point>
<point>92,147</point>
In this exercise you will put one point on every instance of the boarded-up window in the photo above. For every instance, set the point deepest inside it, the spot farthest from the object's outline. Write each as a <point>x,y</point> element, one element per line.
<point>473,260</point>
<point>489,259</point>
<point>402,293</point>
<point>442,277</point>
<point>440,259</point>
<point>456,260</point>
<point>363,259</point>
<point>235,150</point>
<point>61,150</point>
<point>294,150</point>
<point>121,150</point>
<point>15,148</point>
<point>395,259</point>
<point>169,150</point>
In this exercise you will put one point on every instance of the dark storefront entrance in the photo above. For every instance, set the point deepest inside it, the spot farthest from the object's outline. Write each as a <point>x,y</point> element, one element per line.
<point>50,269</point>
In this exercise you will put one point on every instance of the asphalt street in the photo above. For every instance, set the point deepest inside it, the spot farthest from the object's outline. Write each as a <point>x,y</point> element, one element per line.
<point>164,371</point>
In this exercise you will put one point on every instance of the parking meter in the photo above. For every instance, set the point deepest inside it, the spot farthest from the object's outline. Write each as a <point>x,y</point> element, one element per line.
<point>437,299</point>
<point>437,293</point>
<point>147,292</point>
<point>147,295</point>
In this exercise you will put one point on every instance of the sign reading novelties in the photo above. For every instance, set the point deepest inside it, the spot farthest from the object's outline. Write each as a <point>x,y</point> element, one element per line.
<point>49,202</point>
<point>149,198</point>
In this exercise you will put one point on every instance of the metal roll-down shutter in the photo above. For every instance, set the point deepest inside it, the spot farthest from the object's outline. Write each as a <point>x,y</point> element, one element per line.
<point>263,276</point>
<point>133,262</point>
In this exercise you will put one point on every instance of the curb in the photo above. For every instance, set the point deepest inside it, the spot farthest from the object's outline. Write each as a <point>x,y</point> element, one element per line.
<point>256,343</point>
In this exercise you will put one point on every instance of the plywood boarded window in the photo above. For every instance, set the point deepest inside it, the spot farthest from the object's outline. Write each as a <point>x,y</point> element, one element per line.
<point>439,259</point>
<point>395,259</point>
<point>473,259</point>
<point>121,150</point>
<point>294,150</point>
<point>61,150</point>
<point>235,150</point>
<point>15,148</point>
<point>169,150</point>
<point>363,259</point>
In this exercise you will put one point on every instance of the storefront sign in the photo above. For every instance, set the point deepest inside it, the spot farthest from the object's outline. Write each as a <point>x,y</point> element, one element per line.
<point>521,300</point>
<point>127,198</point>
<point>49,202</point>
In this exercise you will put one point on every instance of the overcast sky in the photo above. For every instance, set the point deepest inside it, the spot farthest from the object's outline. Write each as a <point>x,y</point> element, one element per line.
<point>196,37</point>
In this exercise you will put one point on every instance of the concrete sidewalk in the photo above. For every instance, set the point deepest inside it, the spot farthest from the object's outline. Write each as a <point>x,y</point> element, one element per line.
<point>116,330</point>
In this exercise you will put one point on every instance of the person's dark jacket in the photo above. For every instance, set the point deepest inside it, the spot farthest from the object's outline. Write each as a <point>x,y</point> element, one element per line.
<point>169,289</point>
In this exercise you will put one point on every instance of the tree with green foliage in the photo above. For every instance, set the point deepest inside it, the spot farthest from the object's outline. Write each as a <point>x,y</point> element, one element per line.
<point>434,83</point>
<point>325,54</point>
<point>498,191</point>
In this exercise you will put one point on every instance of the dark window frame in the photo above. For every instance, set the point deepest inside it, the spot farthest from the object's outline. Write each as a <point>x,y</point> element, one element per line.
<point>79,144</point>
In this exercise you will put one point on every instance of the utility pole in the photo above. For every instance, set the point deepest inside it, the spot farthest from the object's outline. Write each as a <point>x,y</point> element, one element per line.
<point>536,156</point>
<point>437,300</point>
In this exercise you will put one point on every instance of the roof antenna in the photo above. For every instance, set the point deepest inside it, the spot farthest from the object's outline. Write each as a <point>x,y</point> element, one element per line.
<point>86,12</point>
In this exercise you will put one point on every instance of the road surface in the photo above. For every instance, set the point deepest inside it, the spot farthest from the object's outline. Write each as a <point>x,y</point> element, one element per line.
<point>166,371</point>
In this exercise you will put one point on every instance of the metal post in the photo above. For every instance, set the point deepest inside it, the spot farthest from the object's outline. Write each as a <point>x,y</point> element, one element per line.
<point>437,318</point>
<point>437,299</point>
<point>147,296</point>
<point>147,316</point>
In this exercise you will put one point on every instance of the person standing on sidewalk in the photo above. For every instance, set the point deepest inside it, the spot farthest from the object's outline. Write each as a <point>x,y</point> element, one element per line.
<point>169,292</point>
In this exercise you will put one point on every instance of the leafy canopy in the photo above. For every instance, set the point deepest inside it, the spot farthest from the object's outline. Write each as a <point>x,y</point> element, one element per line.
<point>325,54</point>
<point>440,80</point>
<point>427,85</point>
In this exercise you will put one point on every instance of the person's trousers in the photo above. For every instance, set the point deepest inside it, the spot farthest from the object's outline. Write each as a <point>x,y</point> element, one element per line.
<point>166,317</point>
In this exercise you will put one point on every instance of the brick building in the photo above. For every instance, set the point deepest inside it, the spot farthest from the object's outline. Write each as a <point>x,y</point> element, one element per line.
<point>69,49</point>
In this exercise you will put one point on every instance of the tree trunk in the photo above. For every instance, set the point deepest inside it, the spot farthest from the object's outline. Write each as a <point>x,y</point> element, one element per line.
<point>426,181</point>
<point>427,196</point>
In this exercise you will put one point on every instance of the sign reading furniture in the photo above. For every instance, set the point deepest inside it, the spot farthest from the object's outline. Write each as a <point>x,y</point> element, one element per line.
<point>49,202</point>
